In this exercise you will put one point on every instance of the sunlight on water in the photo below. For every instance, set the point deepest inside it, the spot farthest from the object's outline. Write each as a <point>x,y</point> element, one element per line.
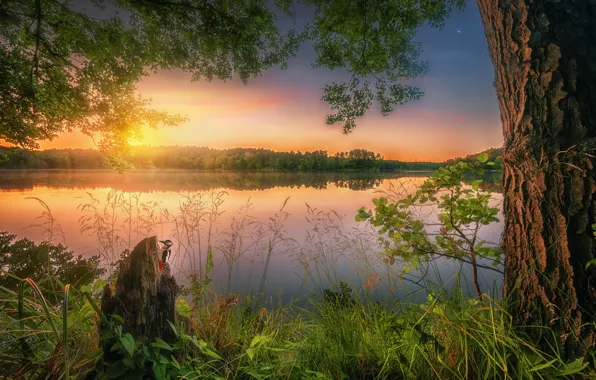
<point>315,239</point>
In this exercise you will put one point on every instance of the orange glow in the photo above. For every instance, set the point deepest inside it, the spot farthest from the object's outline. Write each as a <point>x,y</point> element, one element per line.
<point>20,211</point>
<point>262,114</point>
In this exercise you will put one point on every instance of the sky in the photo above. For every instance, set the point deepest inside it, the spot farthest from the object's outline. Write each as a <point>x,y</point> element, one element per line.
<point>283,110</point>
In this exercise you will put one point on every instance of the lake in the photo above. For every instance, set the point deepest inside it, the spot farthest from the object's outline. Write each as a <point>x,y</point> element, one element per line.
<point>299,228</point>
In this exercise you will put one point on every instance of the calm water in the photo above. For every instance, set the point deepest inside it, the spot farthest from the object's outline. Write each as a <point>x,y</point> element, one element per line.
<point>307,220</point>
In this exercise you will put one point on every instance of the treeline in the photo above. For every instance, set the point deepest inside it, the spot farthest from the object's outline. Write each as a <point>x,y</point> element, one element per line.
<point>16,158</point>
<point>209,159</point>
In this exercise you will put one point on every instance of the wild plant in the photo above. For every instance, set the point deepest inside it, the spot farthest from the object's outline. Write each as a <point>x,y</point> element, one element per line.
<point>462,211</point>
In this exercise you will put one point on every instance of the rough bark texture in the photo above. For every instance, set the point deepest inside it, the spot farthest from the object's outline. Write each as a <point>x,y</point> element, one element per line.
<point>544,53</point>
<point>144,296</point>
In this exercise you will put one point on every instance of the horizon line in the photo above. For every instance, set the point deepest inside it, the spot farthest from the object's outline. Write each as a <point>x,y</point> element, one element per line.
<point>240,147</point>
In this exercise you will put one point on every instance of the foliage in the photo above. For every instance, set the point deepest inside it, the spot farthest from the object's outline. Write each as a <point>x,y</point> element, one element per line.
<point>41,339</point>
<point>342,298</point>
<point>160,360</point>
<point>198,286</point>
<point>16,158</point>
<point>449,337</point>
<point>202,158</point>
<point>4,158</point>
<point>71,68</point>
<point>24,259</point>
<point>339,333</point>
<point>494,159</point>
<point>372,40</point>
<point>462,211</point>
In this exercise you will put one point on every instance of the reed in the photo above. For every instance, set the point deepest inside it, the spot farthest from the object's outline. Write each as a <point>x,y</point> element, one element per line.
<point>357,323</point>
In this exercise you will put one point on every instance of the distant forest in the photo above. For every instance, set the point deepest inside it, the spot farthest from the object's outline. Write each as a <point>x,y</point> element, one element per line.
<point>209,159</point>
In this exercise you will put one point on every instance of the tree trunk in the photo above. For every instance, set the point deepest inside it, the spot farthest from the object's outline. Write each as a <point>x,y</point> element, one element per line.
<point>544,53</point>
<point>145,296</point>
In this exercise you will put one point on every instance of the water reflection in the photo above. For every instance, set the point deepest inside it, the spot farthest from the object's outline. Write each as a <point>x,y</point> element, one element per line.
<point>164,181</point>
<point>306,218</point>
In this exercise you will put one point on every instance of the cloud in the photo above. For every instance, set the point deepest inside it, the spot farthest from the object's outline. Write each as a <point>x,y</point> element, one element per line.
<point>229,99</point>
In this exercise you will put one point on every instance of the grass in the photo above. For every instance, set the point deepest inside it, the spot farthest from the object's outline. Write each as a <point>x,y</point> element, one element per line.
<point>38,337</point>
<point>337,333</point>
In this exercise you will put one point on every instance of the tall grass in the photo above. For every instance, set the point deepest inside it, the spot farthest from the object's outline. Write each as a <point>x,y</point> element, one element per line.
<point>336,333</point>
<point>345,336</point>
<point>243,246</point>
<point>42,340</point>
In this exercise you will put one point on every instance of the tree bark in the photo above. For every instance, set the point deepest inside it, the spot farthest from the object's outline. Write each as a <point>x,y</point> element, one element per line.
<point>144,297</point>
<point>544,53</point>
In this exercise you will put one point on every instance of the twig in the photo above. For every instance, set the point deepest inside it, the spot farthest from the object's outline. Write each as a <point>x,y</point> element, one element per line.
<point>35,68</point>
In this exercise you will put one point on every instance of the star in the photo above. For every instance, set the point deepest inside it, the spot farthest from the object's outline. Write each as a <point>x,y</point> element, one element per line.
<point>459,31</point>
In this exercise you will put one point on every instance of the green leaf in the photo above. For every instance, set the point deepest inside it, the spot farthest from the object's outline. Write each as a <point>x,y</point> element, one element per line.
<point>207,351</point>
<point>128,362</point>
<point>117,318</point>
<point>159,370</point>
<point>116,347</point>
<point>212,354</point>
<point>128,342</point>
<point>259,339</point>
<point>178,345</point>
<point>164,360</point>
<point>174,362</point>
<point>362,214</point>
<point>482,157</point>
<point>574,367</point>
<point>543,366</point>
<point>116,371</point>
<point>160,343</point>
<point>251,353</point>
<point>85,289</point>
<point>183,308</point>
<point>194,340</point>
<point>173,329</point>
<point>98,285</point>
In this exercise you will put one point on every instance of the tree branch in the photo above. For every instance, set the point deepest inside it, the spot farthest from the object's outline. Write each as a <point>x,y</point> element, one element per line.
<point>183,4</point>
<point>35,68</point>
<point>444,255</point>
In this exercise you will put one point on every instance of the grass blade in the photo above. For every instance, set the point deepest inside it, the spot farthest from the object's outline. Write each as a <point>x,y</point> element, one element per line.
<point>65,329</point>
<point>21,310</point>
<point>96,308</point>
<point>45,306</point>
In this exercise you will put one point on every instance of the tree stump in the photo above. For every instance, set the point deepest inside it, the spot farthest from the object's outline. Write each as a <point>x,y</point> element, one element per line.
<point>144,295</point>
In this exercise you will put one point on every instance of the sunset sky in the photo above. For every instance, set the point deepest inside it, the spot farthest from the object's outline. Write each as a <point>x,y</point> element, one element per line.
<point>282,110</point>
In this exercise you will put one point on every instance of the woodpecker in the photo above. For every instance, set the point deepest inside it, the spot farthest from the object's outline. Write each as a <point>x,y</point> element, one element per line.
<point>166,249</point>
